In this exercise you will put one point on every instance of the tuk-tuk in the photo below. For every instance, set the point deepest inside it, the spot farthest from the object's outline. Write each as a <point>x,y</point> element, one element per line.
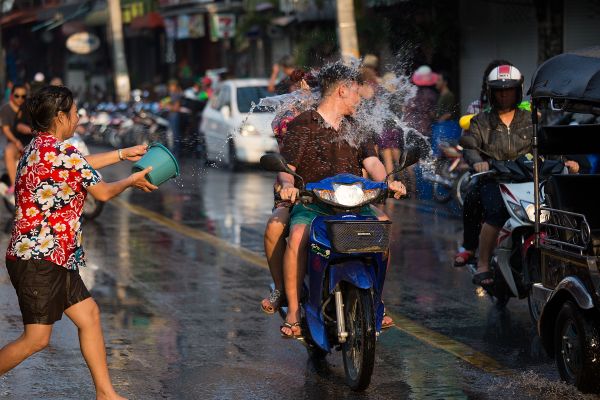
<point>566,301</point>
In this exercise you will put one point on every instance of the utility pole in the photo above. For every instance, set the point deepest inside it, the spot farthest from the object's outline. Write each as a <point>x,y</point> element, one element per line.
<point>346,27</point>
<point>121,75</point>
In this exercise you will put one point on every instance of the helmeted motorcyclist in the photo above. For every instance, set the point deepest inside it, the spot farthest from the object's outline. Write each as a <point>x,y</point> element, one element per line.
<point>502,132</point>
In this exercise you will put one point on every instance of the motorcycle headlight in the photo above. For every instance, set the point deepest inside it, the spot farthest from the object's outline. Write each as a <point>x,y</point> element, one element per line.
<point>530,210</point>
<point>347,195</point>
<point>249,130</point>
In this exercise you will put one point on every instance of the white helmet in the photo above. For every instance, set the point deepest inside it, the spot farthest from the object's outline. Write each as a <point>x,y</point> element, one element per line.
<point>505,77</point>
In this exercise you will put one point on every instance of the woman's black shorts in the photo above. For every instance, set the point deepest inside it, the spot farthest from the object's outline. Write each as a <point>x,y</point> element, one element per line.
<point>45,290</point>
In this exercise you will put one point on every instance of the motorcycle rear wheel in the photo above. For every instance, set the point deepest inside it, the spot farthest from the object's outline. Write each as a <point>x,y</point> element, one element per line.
<point>358,351</point>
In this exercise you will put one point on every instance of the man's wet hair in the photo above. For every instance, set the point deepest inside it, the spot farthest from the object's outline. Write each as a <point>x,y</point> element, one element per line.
<point>337,72</point>
<point>46,103</point>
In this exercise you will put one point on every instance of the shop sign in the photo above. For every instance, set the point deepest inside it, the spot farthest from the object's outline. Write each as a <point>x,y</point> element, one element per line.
<point>170,28</point>
<point>83,43</point>
<point>222,26</point>
<point>183,27</point>
<point>197,29</point>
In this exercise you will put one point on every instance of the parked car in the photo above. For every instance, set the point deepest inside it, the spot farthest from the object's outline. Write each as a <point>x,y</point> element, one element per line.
<point>235,129</point>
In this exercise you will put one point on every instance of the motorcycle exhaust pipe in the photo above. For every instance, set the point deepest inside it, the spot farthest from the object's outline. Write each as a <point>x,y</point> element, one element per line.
<point>339,313</point>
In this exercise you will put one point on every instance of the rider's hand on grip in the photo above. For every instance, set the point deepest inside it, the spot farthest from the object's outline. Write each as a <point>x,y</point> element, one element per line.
<point>481,166</point>
<point>289,193</point>
<point>398,189</point>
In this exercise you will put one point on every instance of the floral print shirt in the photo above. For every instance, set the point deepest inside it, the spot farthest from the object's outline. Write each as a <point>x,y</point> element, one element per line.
<point>50,190</point>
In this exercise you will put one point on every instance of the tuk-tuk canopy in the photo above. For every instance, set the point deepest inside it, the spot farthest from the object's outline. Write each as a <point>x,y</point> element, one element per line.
<point>574,77</point>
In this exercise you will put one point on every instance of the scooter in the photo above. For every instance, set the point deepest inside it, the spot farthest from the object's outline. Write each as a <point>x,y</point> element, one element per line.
<point>347,259</point>
<point>451,175</point>
<point>513,263</point>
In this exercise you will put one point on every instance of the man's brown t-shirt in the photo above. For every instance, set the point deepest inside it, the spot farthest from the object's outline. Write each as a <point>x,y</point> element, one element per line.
<point>318,151</point>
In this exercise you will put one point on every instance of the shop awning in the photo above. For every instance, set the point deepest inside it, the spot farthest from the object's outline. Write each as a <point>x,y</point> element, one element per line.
<point>54,17</point>
<point>17,17</point>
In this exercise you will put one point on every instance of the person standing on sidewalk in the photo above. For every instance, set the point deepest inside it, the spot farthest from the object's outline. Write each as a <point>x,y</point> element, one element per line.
<point>45,252</point>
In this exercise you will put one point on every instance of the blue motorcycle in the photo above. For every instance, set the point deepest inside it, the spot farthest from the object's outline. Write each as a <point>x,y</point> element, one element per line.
<point>347,260</point>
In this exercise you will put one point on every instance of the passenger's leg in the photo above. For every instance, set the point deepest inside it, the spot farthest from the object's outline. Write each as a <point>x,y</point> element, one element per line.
<point>495,215</point>
<point>294,268</point>
<point>395,156</point>
<point>35,338</point>
<point>472,217</point>
<point>274,242</point>
<point>388,160</point>
<point>86,316</point>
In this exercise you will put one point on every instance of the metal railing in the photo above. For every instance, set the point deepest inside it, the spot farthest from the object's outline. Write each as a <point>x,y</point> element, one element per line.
<point>565,230</point>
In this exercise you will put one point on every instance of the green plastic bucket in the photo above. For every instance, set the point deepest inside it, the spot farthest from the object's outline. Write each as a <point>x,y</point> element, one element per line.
<point>163,163</point>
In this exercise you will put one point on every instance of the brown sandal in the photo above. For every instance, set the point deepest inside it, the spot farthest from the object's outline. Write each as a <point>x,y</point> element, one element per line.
<point>291,327</point>
<point>271,304</point>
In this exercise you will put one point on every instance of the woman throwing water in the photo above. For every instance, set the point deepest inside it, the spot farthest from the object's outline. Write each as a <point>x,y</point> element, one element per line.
<point>45,252</point>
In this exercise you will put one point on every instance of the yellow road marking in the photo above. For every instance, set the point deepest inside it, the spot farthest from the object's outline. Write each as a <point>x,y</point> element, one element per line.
<point>403,323</point>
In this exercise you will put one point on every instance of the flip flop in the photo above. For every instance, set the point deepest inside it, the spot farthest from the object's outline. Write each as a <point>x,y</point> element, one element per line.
<point>388,324</point>
<point>483,276</point>
<point>466,256</point>
<point>291,326</point>
<point>271,304</point>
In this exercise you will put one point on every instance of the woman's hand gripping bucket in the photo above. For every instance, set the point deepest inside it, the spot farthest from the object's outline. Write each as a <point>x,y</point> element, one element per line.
<point>163,163</point>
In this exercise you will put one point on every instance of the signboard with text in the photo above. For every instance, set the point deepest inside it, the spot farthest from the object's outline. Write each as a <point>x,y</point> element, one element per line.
<point>222,26</point>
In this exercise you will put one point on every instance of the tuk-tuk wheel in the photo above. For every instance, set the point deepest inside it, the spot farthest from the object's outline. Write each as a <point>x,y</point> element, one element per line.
<point>577,347</point>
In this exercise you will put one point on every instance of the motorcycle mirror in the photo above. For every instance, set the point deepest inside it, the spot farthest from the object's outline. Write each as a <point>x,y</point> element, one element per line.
<point>468,142</point>
<point>275,162</point>
<point>415,147</point>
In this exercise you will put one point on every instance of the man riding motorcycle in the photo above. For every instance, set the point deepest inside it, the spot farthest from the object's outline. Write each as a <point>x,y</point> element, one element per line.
<point>316,148</point>
<point>503,133</point>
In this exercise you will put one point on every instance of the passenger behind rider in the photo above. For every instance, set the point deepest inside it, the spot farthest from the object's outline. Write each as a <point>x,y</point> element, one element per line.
<point>315,147</point>
<point>16,129</point>
<point>503,132</point>
<point>277,226</point>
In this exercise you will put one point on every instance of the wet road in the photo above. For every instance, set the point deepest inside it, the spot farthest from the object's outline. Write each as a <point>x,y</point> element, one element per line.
<point>179,275</point>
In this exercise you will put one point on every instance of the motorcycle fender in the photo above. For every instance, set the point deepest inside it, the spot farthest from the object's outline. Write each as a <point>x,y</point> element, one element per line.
<point>354,272</point>
<point>577,290</point>
<point>503,261</point>
<point>316,325</point>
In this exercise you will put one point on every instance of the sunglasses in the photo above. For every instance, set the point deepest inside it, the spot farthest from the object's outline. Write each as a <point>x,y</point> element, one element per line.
<point>20,96</point>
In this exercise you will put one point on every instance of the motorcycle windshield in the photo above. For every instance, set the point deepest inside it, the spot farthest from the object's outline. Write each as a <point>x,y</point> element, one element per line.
<point>345,179</point>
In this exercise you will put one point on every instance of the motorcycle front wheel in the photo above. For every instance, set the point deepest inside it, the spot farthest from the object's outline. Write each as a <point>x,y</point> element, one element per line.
<point>442,187</point>
<point>461,186</point>
<point>358,351</point>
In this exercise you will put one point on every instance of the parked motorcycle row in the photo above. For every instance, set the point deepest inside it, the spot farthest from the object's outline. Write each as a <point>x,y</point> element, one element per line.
<point>122,125</point>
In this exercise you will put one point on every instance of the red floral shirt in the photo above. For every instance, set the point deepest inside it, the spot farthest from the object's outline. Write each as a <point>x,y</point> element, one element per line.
<point>50,190</point>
